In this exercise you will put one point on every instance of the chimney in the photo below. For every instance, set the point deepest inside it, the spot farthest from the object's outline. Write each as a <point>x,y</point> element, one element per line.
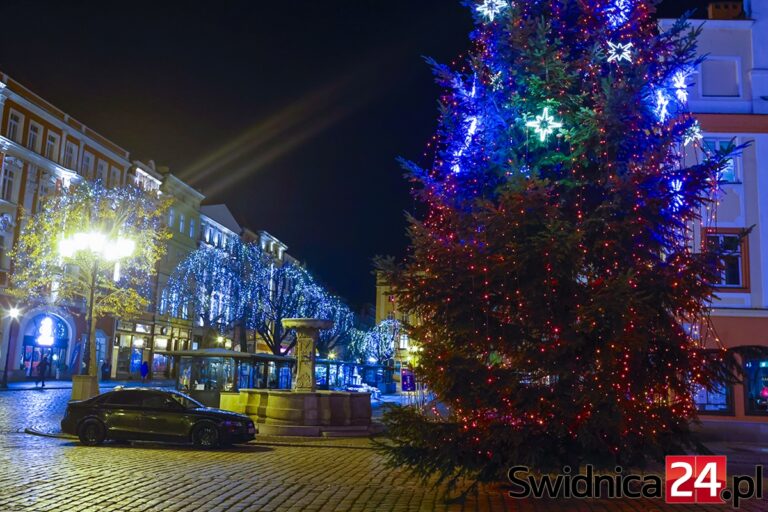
<point>725,10</point>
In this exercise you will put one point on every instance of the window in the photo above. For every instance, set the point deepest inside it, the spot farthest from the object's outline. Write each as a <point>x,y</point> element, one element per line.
<point>115,177</point>
<point>734,250</point>
<point>715,401</point>
<point>181,223</point>
<point>403,341</point>
<point>756,386</point>
<point>52,147</point>
<point>101,172</point>
<point>86,170</point>
<point>720,78</point>
<point>70,152</point>
<point>44,190</point>
<point>158,401</point>
<point>191,228</point>
<point>170,218</point>
<point>33,137</point>
<point>6,184</point>
<point>163,302</point>
<point>728,174</point>
<point>14,126</point>
<point>129,398</point>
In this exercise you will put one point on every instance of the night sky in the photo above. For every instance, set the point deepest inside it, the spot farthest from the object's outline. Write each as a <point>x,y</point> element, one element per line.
<point>291,112</point>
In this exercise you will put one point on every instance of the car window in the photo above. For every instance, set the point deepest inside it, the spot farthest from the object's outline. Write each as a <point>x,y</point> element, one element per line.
<point>186,402</point>
<point>158,401</point>
<point>131,398</point>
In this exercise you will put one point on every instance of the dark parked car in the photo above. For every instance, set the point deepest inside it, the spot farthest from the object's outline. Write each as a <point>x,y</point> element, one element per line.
<point>141,414</point>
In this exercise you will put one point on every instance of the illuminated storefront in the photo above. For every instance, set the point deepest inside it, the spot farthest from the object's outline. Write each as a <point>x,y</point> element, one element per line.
<point>48,336</point>
<point>137,342</point>
<point>756,387</point>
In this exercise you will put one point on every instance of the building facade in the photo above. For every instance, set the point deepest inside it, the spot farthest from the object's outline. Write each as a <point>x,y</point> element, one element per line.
<point>44,150</point>
<point>405,350</point>
<point>728,93</point>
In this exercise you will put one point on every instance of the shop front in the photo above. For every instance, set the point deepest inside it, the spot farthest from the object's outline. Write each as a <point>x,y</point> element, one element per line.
<point>132,347</point>
<point>331,374</point>
<point>756,387</point>
<point>45,336</point>
<point>167,338</point>
<point>138,342</point>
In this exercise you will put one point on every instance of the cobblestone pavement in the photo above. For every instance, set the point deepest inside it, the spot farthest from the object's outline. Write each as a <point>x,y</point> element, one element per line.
<point>58,475</point>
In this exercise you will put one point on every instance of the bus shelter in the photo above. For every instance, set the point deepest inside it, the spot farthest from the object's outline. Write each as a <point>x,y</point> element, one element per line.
<point>205,374</point>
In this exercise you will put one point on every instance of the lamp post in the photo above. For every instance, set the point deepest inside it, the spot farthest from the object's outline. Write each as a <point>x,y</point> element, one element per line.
<point>101,248</point>
<point>13,314</point>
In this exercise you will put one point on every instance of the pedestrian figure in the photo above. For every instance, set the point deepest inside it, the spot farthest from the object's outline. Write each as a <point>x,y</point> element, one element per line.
<point>105,371</point>
<point>144,371</point>
<point>42,368</point>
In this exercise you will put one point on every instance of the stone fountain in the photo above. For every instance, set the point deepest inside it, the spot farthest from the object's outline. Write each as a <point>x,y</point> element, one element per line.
<point>304,411</point>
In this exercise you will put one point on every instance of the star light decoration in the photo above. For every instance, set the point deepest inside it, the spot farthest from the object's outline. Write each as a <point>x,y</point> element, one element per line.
<point>491,8</point>
<point>544,125</point>
<point>619,52</point>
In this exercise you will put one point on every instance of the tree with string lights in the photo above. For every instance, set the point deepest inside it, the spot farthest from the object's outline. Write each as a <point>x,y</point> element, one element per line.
<point>287,291</point>
<point>91,245</point>
<point>329,340</point>
<point>381,340</point>
<point>561,298</point>
<point>219,288</point>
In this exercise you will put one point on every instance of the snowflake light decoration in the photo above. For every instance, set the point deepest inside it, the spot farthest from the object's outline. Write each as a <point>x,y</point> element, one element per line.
<point>618,12</point>
<point>693,134</point>
<point>662,106</point>
<point>544,125</point>
<point>496,81</point>
<point>676,186</point>
<point>680,85</point>
<point>491,8</point>
<point>619,52</point>
<point>471,130</point>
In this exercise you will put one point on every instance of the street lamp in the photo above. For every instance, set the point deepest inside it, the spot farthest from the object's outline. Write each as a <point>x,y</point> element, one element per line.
<point>13,313</point>
<point>102,247</point>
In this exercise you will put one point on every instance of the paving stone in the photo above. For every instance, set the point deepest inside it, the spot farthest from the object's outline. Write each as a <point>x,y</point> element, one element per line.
<point>52,475</point>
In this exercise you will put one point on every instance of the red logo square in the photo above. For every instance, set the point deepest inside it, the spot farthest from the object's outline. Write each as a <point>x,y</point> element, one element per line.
<point>695,479</point>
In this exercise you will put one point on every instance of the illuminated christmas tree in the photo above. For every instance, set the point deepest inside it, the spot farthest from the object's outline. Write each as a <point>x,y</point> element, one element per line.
<point>562,298</point>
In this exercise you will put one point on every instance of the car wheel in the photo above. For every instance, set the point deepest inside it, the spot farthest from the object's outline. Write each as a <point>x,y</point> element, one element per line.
<point>91,433</point>
<point>206,435</point>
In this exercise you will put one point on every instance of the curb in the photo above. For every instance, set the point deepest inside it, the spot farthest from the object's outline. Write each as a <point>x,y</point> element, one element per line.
<point>57,435</point>
<point>313,443</point>
<point>47,388</point>
<point>309,445</point>
<point>52,388</point>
